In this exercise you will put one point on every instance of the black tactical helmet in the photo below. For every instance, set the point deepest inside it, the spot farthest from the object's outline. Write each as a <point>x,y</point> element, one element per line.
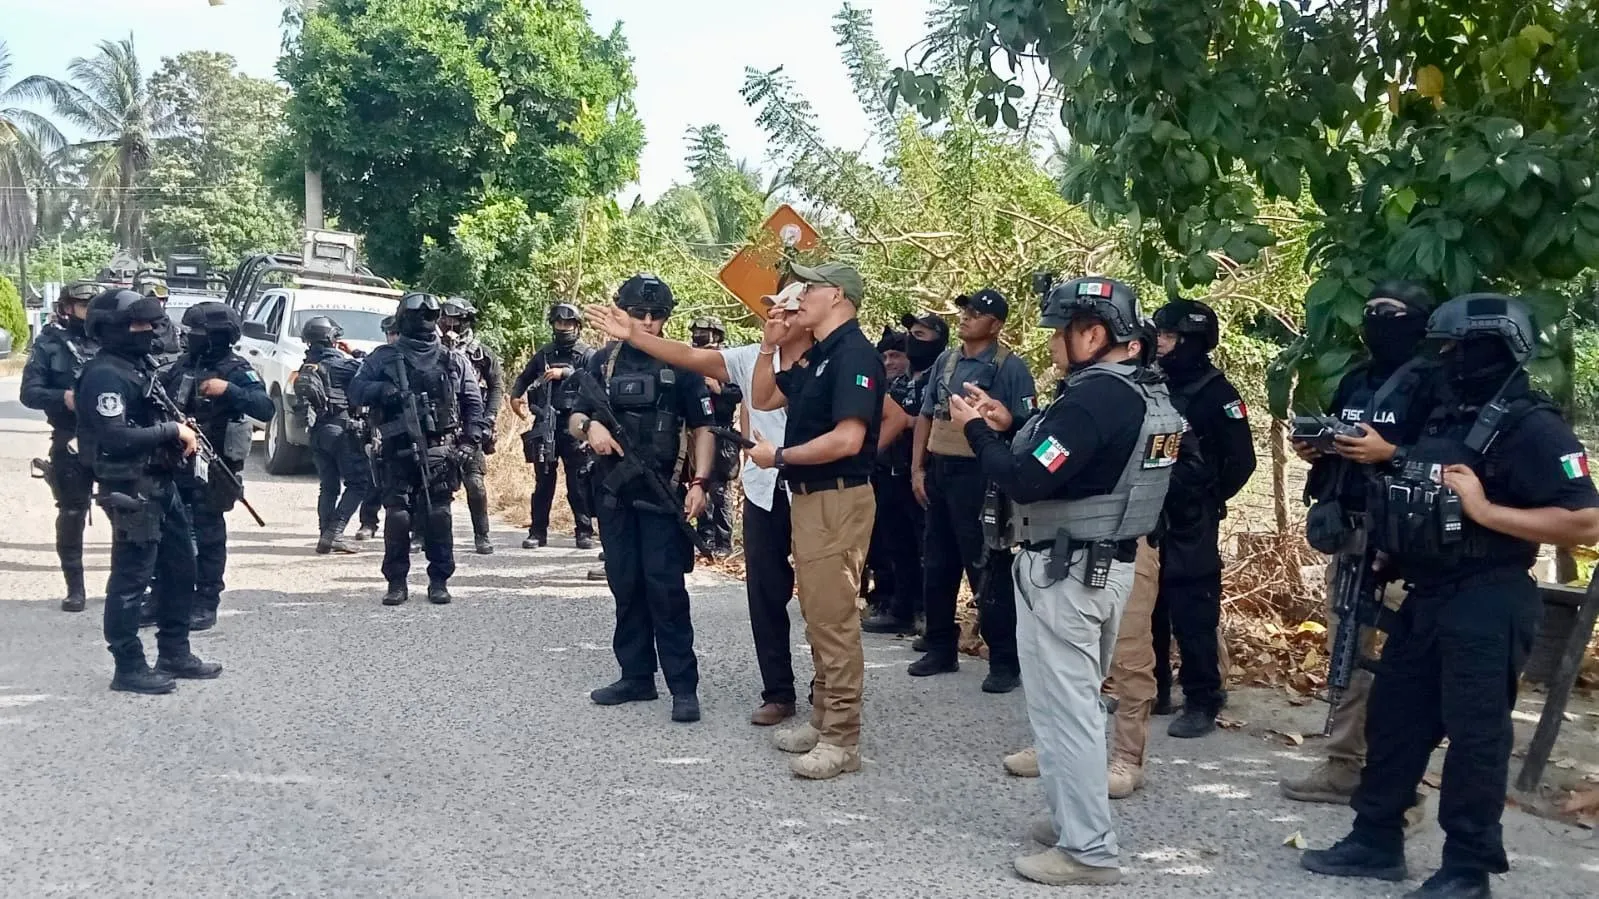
<point>112,311</point>
<point>418,314</point>
<point>564,312</point>
<point>1486,314</point>
<point>388,325</point>
<point>645,291</point>
<point>709,323</point>
<point>458,307</point>
<point>323,331</point>
<point>213,318</point>
<point>1413,294</point>
<point>1109,300</point>
<point>1190,318</point>
<point>73,293</point>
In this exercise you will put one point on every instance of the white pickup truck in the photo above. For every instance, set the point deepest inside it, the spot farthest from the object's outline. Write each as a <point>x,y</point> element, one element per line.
<point>272,344</point>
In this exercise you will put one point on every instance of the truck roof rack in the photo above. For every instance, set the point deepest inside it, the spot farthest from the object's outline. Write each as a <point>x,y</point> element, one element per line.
<point>332,267</point>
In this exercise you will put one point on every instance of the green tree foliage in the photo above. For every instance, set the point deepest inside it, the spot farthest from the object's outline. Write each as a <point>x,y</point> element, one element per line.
<point>1448,141</point>
<point>12,316</point>
<point>419,111</point>
<point>208,192</point>
<point>108,97</point>
<point>26,139</point>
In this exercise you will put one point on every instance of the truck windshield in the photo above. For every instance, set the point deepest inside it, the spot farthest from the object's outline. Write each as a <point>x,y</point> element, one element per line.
<point>357,324</point>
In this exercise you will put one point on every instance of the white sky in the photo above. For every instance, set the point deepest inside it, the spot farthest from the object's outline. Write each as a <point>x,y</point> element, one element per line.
<point>689,55</point>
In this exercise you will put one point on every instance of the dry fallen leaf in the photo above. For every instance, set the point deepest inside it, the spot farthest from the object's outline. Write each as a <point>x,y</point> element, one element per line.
<point>1289,737</point>
<point>1312,661</point>
<point>1229,723</point>
<point>1565,763</point>
<point>1296,840</point>
<point>1311,627</point>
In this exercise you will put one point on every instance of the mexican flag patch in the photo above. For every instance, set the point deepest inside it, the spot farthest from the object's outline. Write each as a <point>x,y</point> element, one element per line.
<point>1575,465</point>
<point>863,381</point>
<point>1051,454</point>
<point>1236,410</point>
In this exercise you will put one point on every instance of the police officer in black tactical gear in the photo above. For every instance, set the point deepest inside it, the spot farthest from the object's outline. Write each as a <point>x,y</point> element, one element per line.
<point>337,448</point>
<point>1459,515</point>
<point>715,524</point>
<point>58,356</point>
<point>547,385</point>
<point>216,387</point>
<point>1386,398</point>
<point>373,503</point>
<point>1088,478</point>
<point>456,320</point>
<point>425,407</point>
<point>137,453</point>
<point>647,547</point>
<point>897,531</point>
<point>1189,604</point>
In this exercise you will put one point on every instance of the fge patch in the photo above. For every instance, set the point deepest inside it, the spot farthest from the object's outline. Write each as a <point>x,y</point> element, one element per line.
<point>109,404</point>
<point>1161,451</point>
<point>1051,454</point>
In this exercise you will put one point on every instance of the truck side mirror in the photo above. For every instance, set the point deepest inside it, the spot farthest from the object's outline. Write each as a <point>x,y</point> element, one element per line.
<point>256,330</point>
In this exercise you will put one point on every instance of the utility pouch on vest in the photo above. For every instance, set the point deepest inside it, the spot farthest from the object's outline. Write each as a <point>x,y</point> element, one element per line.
<point>632,391</point>
<point>133,520</point>
<point>1327,527</point>
<point>236,442</point>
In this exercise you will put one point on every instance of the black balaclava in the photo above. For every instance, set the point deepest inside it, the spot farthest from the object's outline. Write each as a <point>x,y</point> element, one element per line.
<point>205,346</point>
<point>566,337</point>
<point>1477,367</point>
<point>923,353</point>
<point>1188,359</point>
<point>1393,339</point>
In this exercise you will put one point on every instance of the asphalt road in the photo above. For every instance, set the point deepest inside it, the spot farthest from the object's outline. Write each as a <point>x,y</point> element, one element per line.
<point>357,750</point>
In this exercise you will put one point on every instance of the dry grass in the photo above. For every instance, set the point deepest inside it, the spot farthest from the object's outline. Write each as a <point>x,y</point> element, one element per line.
<point>13,365</point>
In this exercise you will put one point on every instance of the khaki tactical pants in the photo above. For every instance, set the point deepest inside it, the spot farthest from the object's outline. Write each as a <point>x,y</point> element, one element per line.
<point>1132,665</point>
<point>1347,743</point>
<point>832,529</point>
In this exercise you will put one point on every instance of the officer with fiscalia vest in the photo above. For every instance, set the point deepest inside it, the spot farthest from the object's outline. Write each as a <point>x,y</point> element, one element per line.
<point>1087,477</point>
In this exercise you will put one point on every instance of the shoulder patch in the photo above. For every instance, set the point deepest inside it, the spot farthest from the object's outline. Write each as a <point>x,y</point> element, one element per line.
<point>1030,403</point>
<point>705,405</point>
<point>109,404</point>
<point>1051,454</point>
<point>860,380</point>
<point>1575,465</point>
<point>823,367</point>
<point>251,376</point>
<point>1236,410</point>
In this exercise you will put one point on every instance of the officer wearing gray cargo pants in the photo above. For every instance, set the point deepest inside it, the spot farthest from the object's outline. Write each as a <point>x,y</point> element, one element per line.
<point>1088,477</point>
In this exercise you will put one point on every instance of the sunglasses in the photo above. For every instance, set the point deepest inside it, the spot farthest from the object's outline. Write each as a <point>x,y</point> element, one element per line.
<point>645,313</point>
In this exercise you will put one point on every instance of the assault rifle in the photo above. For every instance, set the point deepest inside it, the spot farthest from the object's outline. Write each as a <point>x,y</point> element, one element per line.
<point>630,467</point>
<point>206,459</point>
<point>1356,603</point>
<point>544,426</point>
<point>411,415</point>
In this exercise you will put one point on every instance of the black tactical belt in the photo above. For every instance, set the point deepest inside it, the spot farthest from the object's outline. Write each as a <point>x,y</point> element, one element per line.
<point>1126,550</point>
<point>805,487</point>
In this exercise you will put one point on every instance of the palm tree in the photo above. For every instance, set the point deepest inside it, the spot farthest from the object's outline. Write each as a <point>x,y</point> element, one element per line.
<point>25,139</point>
<point>107,96</point>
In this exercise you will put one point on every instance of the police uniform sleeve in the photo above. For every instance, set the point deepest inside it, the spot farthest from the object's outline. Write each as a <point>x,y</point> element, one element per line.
<point>693,399</point>
<point>858,385</point>
<point>594,368</point>
<point>370,381</point>
<point>1233,442</point>
<point>530,374</point>
<point>247,394</point>
<point>1020,390</point>
<point>493,391</point>
<point>110,394</point>
<point>36,390</point>
<point>1072,432</point>
<point>471,398</point>
<point>1548,466</point>
<point>930,389</point>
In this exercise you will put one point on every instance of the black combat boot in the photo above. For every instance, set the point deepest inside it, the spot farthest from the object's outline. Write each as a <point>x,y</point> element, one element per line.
<point>204,617</point>
<point>534,541</point>
<point>1447,884</point>
<point>397,594</point>
<point>625,691</point>
<point>686,708</point>
<point>1001,680</point>
<point>137,677</point>
<point>332,540</point>
<point>483,545</point>
<point>1197,720</point>
<point>188,667</point>
<point>1348,858</point>
<point>886,623</point>
<point>584,541</point>
<point>76,598</point>
<point>934,663</point>
<point>438,593</point>
<point>1163,704</point>
<point>365,532</point>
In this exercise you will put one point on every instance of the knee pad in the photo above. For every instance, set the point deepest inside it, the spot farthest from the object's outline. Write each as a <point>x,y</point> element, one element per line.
<point>399,519</point>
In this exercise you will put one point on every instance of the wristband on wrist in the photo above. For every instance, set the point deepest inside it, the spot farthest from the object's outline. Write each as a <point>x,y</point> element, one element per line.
<point>777,458</point>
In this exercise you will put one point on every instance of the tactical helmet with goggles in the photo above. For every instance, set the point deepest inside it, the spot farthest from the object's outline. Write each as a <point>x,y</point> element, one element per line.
<point>1486,315</point>
<point>113,312</point>
<point>646,291</point>
<point>321,331</point>
<point>1105,299</point>
<point>1190,319</point>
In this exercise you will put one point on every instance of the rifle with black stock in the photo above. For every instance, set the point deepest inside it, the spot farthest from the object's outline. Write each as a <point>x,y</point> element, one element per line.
<point>628,467</point>
<point>1356,603</point>
<point>205,454</point>
<point>411,425</point>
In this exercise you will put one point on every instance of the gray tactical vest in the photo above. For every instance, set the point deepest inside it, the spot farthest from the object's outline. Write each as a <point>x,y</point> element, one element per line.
<point>1132,508</point>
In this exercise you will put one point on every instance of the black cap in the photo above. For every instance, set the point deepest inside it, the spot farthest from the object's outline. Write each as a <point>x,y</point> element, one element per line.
<point>987,301</point>
<point>926,320</point>
<point>891,340</point>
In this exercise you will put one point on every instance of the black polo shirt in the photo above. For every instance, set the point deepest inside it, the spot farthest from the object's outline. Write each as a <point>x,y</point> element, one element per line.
<point>840,378</point>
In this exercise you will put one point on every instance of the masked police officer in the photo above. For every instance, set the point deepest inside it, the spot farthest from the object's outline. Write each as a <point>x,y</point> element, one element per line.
<point>1459,514</point>
<point>218,389</point>
<point>373,503</point>
<point>1388,399</point>
<point>136,453</point>
<point>1189,605</point>
<point>456,321</point>
<point>425,407</point>
<point>58,356</point>
<point>901,521</point>
<point>715,524</point>
<point>549,376</point>
<point>336,449</point>
<point>647,547</point>
<point>1087,478</point>
<point>948,481</point>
